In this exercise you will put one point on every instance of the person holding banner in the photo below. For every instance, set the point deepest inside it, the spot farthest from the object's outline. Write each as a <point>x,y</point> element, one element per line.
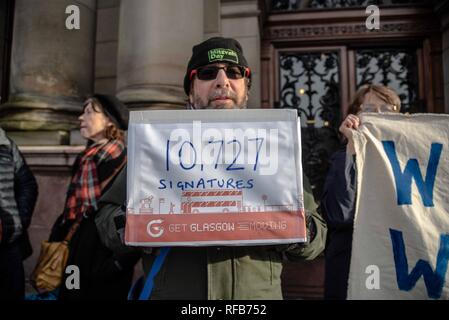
<point>103,275</point>
<point>339,193</point>
<point>217,77</point>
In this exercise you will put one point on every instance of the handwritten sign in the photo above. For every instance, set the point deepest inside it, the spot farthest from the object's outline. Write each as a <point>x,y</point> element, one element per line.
<point>214,177</point>
<point>401,231</point>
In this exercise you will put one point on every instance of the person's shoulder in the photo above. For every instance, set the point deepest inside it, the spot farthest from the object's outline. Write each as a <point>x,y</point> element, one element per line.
<point>116,191</point>
<point>340,151</point>
<point>339,154</point>
<point>4,139</point>
<point>121,175</point>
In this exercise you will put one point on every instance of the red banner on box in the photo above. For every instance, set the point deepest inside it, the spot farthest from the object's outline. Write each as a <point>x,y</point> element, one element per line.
<point>154,229</point>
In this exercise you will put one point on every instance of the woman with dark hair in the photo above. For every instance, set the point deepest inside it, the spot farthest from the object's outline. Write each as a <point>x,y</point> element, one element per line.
<point>339,193</point>
<point>103,275</point>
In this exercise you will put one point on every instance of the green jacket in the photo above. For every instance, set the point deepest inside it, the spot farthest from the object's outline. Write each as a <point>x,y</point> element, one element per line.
<point>250,272</point>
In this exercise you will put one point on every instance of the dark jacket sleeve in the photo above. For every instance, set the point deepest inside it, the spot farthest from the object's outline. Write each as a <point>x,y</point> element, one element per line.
<point>110,218</point>
<point>25,187</point>
<point>339,193</point>
<point>316,230</point>
<point>110,266</point>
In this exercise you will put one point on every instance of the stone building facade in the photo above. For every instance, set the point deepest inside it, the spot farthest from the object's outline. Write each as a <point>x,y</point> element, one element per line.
<point>138,50</point>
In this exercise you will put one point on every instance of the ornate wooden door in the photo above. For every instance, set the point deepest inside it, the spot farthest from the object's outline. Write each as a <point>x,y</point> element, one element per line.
<point>315,54</point>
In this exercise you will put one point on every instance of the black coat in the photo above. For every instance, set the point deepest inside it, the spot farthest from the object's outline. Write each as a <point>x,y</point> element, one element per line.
<point>18,195</point>
<point>103,274</point>
<point>337,207</point>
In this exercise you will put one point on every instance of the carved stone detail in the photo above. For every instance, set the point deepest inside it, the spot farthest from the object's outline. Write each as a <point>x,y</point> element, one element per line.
<point>302,32</point>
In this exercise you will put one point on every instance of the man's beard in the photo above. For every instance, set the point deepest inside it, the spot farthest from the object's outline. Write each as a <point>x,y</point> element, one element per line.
<point>200,104</point>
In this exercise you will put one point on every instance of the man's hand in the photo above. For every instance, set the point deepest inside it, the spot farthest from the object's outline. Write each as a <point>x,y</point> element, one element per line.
<point>351,123</point>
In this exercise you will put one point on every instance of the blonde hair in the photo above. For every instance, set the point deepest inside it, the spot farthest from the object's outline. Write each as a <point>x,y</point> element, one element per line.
<point>382,92</point>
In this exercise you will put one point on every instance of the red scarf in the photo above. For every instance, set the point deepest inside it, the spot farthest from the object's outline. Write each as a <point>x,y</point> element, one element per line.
<point>85,187</point>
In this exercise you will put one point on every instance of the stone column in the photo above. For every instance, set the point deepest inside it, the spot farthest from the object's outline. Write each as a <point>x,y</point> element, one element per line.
<point>240,20</point>
<point>51,70</point>
<point>155,44</point>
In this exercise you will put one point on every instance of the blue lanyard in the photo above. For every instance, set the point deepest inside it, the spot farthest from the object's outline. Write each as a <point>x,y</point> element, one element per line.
<point>155,268</point>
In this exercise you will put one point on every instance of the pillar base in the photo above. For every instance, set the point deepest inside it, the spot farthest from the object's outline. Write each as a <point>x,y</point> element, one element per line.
<point>40,138</point>
<point>31,112</point>
<point>153,97</point>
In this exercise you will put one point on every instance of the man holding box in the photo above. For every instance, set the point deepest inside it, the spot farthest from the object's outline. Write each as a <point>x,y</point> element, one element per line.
<point>217,77</point>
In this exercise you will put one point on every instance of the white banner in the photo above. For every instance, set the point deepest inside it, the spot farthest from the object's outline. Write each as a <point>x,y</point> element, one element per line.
<point>214,177</point>
<point>401,232</point>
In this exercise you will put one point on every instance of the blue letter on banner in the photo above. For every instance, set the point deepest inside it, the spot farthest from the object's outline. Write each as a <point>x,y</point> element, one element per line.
<point>403,180</point>
<point>434,281</point>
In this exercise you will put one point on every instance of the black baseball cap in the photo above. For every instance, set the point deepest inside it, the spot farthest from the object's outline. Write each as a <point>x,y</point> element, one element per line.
<point>213,50</point>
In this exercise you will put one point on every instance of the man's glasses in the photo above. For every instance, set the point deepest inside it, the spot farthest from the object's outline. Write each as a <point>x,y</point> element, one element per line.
<point>369,107</point>
<point>210,72</point>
